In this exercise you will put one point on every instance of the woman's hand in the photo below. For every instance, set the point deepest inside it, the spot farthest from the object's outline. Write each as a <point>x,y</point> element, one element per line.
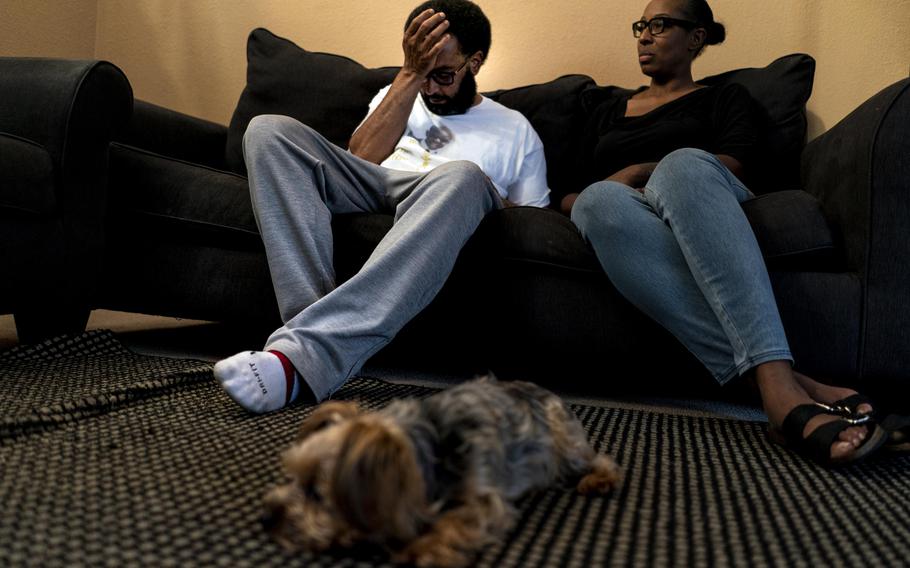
<point>567,202</point>
<point>635,176</point>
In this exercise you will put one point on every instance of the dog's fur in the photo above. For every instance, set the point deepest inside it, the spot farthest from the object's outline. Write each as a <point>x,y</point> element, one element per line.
<point>431,480</point>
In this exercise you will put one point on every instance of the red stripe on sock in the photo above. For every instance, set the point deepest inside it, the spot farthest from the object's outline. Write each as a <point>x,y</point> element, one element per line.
<point>289,373</point>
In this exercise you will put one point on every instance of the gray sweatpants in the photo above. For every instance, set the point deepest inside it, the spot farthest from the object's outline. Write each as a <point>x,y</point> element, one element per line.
<point>298,180</point>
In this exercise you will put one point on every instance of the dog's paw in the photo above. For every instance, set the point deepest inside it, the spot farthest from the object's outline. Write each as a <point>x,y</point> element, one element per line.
<point>605,475</point>
<point>428,554</point>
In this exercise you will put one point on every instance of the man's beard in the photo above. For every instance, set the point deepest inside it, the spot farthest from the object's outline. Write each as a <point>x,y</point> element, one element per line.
<point>458,104</point>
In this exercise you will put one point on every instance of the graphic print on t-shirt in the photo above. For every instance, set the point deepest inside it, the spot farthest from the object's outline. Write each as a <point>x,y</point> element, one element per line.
<point>435,138</point>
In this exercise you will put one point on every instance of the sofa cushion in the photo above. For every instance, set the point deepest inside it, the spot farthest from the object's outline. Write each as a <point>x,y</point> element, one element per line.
<point>172,133</point>
<point>780,91</point>
<point>556,112</point>
<point>792,232</point>
<point>789,227</point>
<point>179,201</point>
<point>536,236</point>
<point>330,93</point>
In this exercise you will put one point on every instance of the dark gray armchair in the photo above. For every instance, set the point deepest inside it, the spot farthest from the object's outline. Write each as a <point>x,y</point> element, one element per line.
<point>57,119</point>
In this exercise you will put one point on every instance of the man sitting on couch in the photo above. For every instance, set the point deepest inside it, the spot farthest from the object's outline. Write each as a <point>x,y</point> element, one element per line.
<point>440,161</point>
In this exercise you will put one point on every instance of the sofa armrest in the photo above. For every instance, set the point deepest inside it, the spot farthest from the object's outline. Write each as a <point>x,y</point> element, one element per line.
<point>860,172</point>
<point>176,135</point>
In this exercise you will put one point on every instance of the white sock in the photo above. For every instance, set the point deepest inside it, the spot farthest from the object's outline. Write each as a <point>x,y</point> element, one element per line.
<point>257,380</point>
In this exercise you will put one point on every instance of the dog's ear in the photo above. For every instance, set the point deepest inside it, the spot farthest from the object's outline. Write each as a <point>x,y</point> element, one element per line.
<point>378,486</point>
<point>326,414</point>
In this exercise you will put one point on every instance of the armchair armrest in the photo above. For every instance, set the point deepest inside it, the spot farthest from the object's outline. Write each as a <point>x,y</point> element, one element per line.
<point>860,172</point>
<point>65,112</point>
<point>26,180</point>
<point>71,109</point>
<point>176,135</point>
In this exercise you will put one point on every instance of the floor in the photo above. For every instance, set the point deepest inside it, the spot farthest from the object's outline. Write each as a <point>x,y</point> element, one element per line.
<point>208,341</point>
<point>153,335</point>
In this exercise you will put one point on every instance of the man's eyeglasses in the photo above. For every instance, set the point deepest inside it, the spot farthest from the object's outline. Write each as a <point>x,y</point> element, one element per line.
<point>446,78</point>
<point>657,25</point>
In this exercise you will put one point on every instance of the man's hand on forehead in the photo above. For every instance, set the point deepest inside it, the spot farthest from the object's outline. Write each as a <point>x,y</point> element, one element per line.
<point>424,40</point>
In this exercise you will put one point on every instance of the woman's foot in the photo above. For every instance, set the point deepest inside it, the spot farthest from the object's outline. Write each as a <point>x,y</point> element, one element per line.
<point>782,392</point>
<point>827,394</point>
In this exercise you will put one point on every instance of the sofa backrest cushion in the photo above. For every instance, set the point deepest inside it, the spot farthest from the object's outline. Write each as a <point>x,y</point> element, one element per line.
<point>556,112</point>
<point>330,93</point>
<point>780,91</point>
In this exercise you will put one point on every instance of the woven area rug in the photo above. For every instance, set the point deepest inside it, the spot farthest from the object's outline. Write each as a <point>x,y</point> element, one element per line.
<point>112,458</point>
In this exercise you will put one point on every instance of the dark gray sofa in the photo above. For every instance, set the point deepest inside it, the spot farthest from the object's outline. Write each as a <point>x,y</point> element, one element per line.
<point>527,297</point>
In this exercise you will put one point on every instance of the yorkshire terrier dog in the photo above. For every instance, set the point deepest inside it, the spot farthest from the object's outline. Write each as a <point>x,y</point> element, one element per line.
<point>432,481</point>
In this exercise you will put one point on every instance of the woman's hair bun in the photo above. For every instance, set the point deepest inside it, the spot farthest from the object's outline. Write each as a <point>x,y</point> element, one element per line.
<point>716,33</point>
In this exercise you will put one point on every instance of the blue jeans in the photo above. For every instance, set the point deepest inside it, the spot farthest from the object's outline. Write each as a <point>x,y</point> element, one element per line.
<point>683,253</point>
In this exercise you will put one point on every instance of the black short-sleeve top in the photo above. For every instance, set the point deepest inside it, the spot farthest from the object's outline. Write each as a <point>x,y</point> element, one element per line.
<point>718,119</point>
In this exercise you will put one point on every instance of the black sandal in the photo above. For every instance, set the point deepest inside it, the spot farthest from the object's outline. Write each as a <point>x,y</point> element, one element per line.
<point>817,445</point>
<point>846,407</point>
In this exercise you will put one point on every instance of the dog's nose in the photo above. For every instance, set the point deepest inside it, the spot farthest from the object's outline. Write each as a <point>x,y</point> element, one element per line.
<point>271,517</point>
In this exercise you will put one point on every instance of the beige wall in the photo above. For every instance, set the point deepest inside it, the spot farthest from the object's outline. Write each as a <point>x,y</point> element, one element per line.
<point>190,54</point>
<point>48,28</point>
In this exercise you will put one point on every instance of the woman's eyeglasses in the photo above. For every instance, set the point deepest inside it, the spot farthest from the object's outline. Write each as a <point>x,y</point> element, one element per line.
<point>657,25</point>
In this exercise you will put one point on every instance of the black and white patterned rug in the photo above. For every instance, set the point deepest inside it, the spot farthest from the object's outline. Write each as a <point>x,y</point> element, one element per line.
<point>112,458</point>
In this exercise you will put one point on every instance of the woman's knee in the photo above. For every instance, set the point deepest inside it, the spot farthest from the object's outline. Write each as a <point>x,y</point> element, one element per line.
<point>600,207</point>
<point>687,175</point>
<point>597,200</point>
<point>682,165</point>
<point>684,160</point>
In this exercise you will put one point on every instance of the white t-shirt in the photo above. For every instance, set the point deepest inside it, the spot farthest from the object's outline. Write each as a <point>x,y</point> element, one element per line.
<point>498,139</point>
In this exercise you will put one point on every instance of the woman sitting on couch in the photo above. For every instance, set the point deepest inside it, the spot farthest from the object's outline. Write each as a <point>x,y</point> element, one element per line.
<point>668,229</point>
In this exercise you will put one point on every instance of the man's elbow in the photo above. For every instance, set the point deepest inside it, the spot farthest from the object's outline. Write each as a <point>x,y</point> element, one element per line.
<point>361,148</point>
<point>355,145</point>
<point>363,153</point>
